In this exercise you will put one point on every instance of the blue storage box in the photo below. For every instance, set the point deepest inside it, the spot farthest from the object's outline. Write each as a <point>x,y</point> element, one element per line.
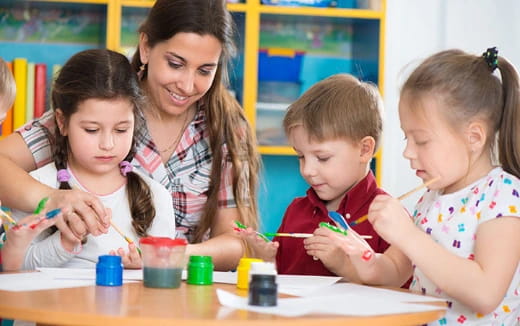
<point>279,65</point>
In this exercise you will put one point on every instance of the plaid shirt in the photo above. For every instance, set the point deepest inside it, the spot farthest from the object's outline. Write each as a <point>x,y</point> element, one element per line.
<point>186,174</point>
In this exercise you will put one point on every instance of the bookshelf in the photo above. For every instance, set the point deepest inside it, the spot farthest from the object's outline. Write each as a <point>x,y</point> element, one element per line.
<point>348,38</point>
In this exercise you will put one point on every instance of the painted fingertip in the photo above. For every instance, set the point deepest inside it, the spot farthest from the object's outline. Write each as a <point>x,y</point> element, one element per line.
<point>367,255</point>
<point>53,213</point>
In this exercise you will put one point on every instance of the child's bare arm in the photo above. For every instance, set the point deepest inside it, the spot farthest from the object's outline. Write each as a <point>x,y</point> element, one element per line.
<point>480,283</point>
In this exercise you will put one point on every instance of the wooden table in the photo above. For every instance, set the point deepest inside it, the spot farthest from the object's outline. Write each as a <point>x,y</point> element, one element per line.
<point>191,305</point>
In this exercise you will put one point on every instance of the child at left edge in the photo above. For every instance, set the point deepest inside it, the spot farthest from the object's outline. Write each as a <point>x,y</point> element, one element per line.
<point>335,128</point>
<point>18,238</point>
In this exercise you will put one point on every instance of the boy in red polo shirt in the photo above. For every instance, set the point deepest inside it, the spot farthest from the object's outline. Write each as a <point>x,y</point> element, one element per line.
<point>335,128</point>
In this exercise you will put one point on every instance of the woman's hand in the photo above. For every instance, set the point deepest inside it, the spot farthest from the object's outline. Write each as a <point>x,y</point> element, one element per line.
<point>83,213</point>
<point>258,247</point>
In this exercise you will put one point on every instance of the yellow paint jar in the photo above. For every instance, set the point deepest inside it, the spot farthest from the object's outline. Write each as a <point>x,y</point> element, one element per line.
<point>243,272</point>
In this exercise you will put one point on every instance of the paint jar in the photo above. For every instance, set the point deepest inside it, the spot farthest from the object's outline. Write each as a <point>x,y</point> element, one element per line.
<point>263,290</point>
<point>243,272</point>
<point>200,270</point>
<point>109,271</point>
<point>163,261</point>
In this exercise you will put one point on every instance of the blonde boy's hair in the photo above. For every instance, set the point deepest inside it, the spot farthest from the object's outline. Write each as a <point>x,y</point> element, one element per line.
<point>338,107</point>
<point>7,86</point>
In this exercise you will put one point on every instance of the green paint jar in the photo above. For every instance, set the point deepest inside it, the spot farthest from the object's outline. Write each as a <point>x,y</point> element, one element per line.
<point>200,270</point>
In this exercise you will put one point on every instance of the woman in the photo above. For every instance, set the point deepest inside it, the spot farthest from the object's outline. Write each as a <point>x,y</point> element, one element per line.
<point>194,138</point>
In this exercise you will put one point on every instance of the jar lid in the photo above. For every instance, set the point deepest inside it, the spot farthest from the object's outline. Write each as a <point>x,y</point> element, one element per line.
<point>111,260</point>
<point>262,268</point>
<point>246,262</point>
<point>163,241</point>
<point>200,259</point>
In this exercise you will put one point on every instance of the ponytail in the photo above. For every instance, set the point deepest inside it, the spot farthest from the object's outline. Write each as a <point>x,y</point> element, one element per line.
<point>509,132</point>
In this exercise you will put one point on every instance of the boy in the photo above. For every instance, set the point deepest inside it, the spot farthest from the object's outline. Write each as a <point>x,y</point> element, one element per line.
<point>335,128</point>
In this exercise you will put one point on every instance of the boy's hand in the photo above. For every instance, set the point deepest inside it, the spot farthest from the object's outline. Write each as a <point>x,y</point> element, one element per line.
<point>258,247</point>
<point>342,255</point>
<point>323,249</point>
<point>131,259</point>
<point>349,246</point>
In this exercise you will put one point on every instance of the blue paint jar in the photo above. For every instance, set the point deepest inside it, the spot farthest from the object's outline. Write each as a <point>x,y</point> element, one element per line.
<point>109,271</point>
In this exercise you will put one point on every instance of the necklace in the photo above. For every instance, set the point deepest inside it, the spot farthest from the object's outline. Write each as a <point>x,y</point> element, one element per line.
<point>178,138</point>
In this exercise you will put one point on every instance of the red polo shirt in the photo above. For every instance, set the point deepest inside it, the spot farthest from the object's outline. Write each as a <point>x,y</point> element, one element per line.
<point>305,213</point>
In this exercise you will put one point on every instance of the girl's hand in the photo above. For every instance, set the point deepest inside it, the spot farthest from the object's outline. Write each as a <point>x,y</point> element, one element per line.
<point>258,247</point>
<point>83,213</point>
<point>390,219</point>
<point>131,259</point>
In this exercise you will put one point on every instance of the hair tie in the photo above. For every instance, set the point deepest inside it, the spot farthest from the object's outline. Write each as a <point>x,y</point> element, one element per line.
<point>125,167</point>
<point>491,58</point>
<point>63,175</point>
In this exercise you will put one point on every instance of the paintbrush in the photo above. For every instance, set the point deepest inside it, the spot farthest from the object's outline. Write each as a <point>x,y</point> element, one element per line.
<point>241,226</point>
<point>7,217</point>
<point>124,236</point>
<point>302,235</point>
<point>402,197</point>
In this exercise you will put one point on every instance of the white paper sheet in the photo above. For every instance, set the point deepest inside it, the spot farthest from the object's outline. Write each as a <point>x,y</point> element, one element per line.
<point>349,304</point>
<point>38,281</point>
<point>128,274</point>
<point>298,285</point>
<point>87,273</point>
<point>304,285</point>
<point>56,278</point>
<point>364,291</point>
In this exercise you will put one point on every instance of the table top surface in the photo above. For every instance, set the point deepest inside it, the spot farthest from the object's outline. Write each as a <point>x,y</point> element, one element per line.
<point>134,304</point>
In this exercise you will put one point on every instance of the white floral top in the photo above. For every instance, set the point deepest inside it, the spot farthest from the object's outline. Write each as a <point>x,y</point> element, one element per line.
<point>452,221</point>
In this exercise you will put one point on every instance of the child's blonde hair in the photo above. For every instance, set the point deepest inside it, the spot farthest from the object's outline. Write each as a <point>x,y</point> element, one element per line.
<point>7,86</point>
<point>469,89</point>
<point>338,107</point>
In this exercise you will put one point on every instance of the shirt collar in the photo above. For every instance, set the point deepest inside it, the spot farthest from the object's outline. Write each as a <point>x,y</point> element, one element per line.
<point>353,200</point>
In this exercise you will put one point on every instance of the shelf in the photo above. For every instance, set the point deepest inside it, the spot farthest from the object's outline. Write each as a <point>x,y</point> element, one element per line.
<point>234,7</point>
<point>325,12</point>
<point>92,2</point>
<point>276,150</point>
<point>355,47</point>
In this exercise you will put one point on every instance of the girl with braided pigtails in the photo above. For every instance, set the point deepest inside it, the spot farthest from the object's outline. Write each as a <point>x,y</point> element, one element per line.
<point>96,98</point>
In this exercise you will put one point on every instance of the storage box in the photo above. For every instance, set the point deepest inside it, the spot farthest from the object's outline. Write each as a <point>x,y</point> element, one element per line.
<point>279,65</point>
